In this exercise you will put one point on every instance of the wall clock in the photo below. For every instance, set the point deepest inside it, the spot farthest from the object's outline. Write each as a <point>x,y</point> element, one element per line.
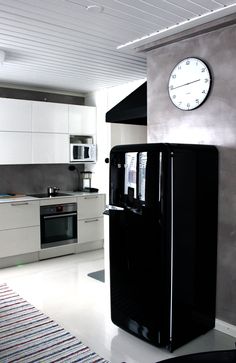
<point>189,83</point>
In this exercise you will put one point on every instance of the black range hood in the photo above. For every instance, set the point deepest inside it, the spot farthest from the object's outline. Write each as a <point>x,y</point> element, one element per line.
<point>131,110</point>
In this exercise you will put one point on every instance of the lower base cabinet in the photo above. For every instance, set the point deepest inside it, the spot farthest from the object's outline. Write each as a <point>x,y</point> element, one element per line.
<point>20,230</point>
<point>19,241</point>
<point>90,221</point>
<point>90,229</point>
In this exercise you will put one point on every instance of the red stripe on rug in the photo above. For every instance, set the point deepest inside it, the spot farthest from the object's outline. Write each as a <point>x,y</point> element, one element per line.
<point>32,340</point>
<point>71,354</point>
<point>13,312</point>
<point>26,329</point>
<point>42,350</point>
<point>19,321</point>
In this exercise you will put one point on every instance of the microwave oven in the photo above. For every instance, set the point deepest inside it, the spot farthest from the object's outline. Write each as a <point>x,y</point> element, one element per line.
<point>82,152</point>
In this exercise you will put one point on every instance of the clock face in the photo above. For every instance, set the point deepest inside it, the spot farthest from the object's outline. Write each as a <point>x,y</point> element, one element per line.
<point>189,83</point>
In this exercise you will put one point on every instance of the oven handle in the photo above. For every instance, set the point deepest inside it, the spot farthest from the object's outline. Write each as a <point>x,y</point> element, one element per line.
<point>60,215</point>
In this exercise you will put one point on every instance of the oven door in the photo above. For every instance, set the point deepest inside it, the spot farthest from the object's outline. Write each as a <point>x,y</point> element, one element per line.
<point>58,229</point>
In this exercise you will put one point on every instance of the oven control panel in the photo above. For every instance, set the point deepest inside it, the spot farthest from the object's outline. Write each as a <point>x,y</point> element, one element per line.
<point>58,208</point>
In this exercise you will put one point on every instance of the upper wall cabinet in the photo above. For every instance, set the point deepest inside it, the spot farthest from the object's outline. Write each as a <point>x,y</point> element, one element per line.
<point>37,132</point>
<point>15,115</point>
<point>50,148</point>
<point>49,117</point>
<point>15,148</point>
<point>82,120</point>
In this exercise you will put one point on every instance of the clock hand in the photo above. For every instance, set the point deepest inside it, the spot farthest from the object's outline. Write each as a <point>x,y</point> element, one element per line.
<point>185,84</point>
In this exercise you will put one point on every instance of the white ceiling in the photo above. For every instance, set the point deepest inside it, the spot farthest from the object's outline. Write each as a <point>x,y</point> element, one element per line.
<point>61,45</point>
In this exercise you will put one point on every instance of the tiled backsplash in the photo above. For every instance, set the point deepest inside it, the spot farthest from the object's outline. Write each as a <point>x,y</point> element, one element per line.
<point>36,178</point>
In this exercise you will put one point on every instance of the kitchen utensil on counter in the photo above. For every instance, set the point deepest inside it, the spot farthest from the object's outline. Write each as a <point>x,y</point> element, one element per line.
<point>86,177</point>
<point>52,191</point>
<point>86,182</point>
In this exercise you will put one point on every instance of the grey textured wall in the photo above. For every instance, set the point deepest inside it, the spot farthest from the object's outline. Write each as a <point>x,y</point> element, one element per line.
<point>212,123</point>
<point>36,178</point>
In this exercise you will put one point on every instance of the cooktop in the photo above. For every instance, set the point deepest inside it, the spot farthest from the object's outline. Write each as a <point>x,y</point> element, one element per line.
<point>45,195</point>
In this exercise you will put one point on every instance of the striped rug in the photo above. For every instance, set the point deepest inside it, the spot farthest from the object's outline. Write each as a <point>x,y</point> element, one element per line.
<point>27,335</point>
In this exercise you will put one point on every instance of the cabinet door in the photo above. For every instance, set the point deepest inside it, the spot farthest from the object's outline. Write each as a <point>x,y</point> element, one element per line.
<point>18,241</point>
<point>15,148</point>
<point>91,206</point>
<point>49,117</point>
<point>91,229</point>
<point>82,120</point>
<point>15,115</point>
<point>19,214</point>
<point>50,148</point>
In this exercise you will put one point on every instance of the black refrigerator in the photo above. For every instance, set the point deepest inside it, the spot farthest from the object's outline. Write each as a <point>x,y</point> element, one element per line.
<point>163,240</point>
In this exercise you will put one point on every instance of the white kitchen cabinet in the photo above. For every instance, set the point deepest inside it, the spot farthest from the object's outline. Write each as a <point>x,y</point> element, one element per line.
<point>38,132</point>
<point>15,115</point>
<point>19,214</point>
<point>15,148</point>
<point>91,206</point>
<point>82,120</point>
<point>19,228</point>
<point>90,219</point>
<point>19,241</point>
<point>50,148</point>
<point>49,117</point>
<point>91,229</point>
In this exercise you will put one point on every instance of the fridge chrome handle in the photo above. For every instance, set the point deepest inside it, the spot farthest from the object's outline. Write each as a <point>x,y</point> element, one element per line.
<point>160,177</point>
<point>113,207</point>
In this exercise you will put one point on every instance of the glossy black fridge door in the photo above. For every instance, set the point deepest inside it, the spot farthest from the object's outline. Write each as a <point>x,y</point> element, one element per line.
<point>194,243</point>
<point>139,273</point>
<point>163,240</point>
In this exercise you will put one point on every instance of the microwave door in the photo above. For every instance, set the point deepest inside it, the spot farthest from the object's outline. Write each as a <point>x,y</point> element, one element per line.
<point>83,152</point>
<point>87,153</point>
<point>78,152</point>
<point>75,152</point>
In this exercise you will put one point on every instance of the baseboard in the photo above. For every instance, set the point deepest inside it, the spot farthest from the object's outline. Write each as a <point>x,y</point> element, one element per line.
<point>57,251</point>
<point>89,246</point>
<point>19,259</point>
<point>226,328</point>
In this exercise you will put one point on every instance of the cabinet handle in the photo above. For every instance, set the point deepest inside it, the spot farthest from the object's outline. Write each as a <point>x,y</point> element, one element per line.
<point>16,204</point>
<point>91,220</point>
<point>91,197</point>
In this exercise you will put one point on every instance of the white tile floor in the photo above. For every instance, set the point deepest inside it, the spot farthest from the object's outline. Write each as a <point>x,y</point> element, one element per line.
<point>61,289</point>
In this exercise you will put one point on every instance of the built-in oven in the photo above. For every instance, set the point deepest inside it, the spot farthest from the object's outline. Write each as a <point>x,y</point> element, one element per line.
<point>58,224</point>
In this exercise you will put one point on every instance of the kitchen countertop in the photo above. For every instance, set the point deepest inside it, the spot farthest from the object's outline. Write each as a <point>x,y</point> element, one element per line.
<point>26,198</point>
<point>16,199</point>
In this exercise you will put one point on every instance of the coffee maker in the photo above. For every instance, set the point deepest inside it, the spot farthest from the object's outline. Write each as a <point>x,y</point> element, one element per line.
<point>86,178</point>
